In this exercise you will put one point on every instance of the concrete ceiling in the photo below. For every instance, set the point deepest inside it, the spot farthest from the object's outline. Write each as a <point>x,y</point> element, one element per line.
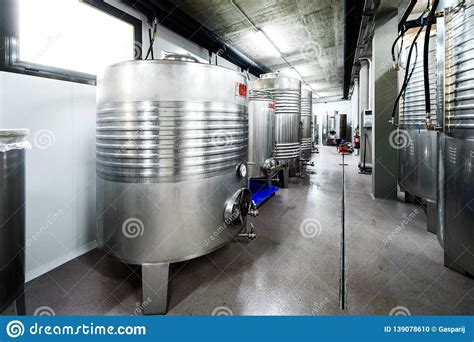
<point>309,34</point>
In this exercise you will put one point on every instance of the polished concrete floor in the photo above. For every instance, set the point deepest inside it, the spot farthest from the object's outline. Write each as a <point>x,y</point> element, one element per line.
<point>393,264</point>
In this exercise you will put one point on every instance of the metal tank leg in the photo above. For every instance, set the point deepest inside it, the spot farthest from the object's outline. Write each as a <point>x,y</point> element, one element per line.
<point>431,213</point>
<point>20,303</point>
<point>156,288</point>
<point>412,199</point>
<point>284,176</point>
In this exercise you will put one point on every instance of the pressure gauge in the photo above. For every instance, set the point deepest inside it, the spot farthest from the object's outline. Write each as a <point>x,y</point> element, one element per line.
<point>242,170</point>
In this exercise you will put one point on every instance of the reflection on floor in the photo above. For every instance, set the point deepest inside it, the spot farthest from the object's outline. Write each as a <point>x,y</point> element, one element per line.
<point>292,268</point>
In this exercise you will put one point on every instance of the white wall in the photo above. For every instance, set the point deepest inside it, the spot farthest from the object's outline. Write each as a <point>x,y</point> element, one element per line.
<point>343,107</point>
<point>60,169</point>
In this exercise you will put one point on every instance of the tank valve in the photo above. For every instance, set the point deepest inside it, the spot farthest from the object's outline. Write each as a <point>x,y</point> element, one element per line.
<point>253,209</point>
<point>250,234</point>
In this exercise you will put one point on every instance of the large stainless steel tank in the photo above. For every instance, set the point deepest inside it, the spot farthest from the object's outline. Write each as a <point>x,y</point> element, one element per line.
<point>261,108</point>
<point>306,114</point>
<point>12,217</point>
<point>287,94</point>
<point>418,149</point>
<point>171,180</point>
<point>456,167</point>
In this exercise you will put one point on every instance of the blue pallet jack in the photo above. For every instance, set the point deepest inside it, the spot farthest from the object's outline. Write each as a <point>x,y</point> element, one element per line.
<point>262,190</point>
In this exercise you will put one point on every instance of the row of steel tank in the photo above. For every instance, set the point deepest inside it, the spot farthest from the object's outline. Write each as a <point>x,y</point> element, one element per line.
<point>437,164</point>
<point>177,142</point>
<point>292,119</point>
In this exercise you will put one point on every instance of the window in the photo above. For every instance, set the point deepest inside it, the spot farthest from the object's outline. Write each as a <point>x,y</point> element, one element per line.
<point>72,39</point>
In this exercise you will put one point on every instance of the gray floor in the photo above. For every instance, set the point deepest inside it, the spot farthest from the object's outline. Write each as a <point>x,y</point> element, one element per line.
<point>292,268</point>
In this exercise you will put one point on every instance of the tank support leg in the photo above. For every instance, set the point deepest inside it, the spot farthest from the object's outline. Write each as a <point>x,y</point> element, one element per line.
<point>431,216</point>
<point>155,283</point>
<point>284,176</point>
<point>20,302</point>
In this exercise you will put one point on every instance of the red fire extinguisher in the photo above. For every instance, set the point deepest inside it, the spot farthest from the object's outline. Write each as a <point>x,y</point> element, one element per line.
<point>356,138</point>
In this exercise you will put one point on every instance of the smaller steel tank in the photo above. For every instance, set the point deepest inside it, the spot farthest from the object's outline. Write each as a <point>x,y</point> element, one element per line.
<point>330,130</point>
<point>315,130</point>
<point>305,129</point>
<point>287,95</point>
<point>12,217</point>
<point>261,134</point>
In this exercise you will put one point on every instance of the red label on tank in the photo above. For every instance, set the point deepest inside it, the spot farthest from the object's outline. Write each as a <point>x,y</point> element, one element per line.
<point>271,105</point>
<point>241,89</point>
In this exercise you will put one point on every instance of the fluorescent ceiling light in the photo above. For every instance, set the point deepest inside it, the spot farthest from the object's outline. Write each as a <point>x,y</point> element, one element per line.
<point>265,44</point>
<point>279,38</point>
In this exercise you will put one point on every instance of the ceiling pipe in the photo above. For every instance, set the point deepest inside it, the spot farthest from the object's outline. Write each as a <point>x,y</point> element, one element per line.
<point>357,15</point>
<point>179,22</point>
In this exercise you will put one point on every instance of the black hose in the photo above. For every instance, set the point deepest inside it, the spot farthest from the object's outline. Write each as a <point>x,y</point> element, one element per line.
<point>404,29</point>
<point>407,72</point>
<point>426,49</point>
<point>151,38</point>
<point>407,13</point>
<point>405,84</point>
<point>401,25</point>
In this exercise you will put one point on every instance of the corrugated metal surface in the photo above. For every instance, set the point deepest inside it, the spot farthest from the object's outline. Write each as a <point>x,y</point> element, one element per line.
<point>412,104</point>
<point>459,77</point>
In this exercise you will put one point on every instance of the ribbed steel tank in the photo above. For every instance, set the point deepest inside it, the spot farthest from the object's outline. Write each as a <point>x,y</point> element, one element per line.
<point>261,133</point>
<point>12,217</point>
<point>417,152</point>
<point>314,130</point>
<point>172,140</point>
<point>330,129</point>
<point>287,95</point>
<point>305,129</point>
<point>456,166</point>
